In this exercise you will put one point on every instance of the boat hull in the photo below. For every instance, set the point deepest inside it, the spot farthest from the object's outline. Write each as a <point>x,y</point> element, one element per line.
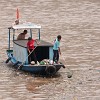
<point>35,69</point>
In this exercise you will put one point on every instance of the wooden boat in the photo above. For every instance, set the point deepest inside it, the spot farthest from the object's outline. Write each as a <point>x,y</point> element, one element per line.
<point>18,54</point>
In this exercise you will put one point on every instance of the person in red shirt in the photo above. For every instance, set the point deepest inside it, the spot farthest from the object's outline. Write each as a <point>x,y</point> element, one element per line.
<point>30,47</point>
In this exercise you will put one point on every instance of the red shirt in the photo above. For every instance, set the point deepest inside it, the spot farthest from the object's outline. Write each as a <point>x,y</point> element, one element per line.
<point>30,44</point>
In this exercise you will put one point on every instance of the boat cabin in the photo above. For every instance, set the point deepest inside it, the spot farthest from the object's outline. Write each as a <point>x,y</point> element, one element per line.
<point>19,51</point>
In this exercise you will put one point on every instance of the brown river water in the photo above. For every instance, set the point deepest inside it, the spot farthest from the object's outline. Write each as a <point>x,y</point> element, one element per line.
<point>78,21</point>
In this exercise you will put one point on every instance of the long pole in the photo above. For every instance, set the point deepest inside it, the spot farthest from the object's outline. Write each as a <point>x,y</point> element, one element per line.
<point>69,73</point>
<point>39,33</point>
<point>26,58</point>
<point>9,39</point>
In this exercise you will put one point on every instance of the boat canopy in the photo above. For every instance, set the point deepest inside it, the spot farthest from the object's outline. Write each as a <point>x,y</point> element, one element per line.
<point>27,25</point>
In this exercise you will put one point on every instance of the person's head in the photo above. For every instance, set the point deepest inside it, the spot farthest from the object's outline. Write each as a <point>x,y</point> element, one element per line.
<point>29,38</point>
<point>25,32</point>
<point>59,37</point>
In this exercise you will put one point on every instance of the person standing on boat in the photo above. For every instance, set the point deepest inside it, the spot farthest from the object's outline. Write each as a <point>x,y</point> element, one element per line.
<point>21,36</point>
<point>56,49</point>
<point>30,47</point>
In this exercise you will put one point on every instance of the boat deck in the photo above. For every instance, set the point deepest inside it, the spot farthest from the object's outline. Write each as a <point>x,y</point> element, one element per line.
<point>23,43</point>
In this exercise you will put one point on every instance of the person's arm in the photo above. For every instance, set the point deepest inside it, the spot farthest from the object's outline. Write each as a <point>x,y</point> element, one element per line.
<point>58,46</point>
<point>59,50</point>
<point>28,50</point>
<point>37,42</point>
<point>28,47</point>
<point>18,37</point>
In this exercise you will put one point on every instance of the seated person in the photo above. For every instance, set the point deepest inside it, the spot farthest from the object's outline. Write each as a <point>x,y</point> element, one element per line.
<point>21,36</point>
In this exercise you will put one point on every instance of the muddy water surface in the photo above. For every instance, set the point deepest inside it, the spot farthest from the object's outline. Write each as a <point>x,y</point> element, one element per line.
<point>78,21</point>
